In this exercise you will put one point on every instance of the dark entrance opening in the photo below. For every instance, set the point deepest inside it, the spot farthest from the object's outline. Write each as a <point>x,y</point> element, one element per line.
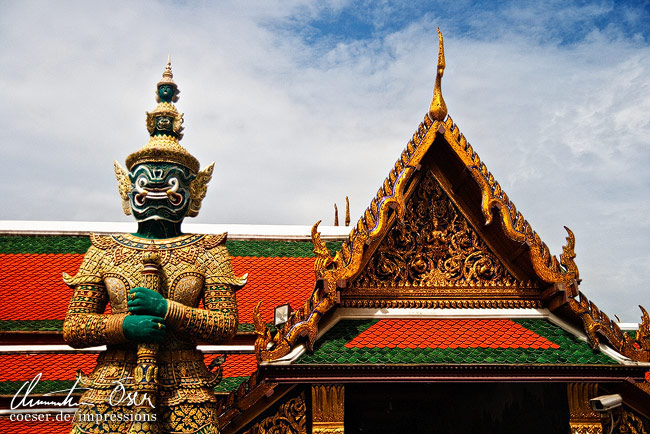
<point>456,408</point>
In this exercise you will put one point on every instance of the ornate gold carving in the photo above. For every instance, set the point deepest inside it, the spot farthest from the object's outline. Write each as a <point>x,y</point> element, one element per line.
<point>630,423</point>
<point>583,420</point>
<point>389,202</point>
<point>597,322</point>
<point>438,108</point>
<point>198,189</point>
<point>291,418</point>
<point>123,186</point>
<point>433,246</point>
<point>623,421</point>
<point>114,331</point>
<point>346,262</point>
<point>166,109</point>
<point>163,149</point>
<point>327,409</point>
<point>547,267</point>
<point>442,304</point>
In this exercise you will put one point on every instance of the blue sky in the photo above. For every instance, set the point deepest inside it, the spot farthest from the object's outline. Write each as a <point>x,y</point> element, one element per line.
<point>301,103</point>
<point>554,22</point>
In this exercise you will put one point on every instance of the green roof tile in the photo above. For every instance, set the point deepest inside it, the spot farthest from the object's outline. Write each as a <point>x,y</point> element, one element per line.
<point>330,349</point>
<point>24,244</point>
<point>286,249</point>
<point>30,244</point>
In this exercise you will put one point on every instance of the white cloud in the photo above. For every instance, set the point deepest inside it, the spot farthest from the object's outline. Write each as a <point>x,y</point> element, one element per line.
<point>296,126</point>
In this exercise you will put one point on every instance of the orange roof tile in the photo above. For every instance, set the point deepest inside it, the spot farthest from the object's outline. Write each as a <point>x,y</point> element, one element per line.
<point>449,333</point>
<point>23,367</point>
<point>51,426</point>
<point>273,281</point>
<point>31,287</point>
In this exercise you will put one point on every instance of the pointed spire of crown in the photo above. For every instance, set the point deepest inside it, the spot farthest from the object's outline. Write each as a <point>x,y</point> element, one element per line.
<point>165,125</point>
<point>171,94</point>
<point>438,108</point>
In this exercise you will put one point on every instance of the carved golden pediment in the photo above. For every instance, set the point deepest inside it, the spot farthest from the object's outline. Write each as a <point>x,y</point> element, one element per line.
<point>434,246</point>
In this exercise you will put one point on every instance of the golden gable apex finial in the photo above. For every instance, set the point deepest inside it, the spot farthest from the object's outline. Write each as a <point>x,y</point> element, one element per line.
<point>438,108</point>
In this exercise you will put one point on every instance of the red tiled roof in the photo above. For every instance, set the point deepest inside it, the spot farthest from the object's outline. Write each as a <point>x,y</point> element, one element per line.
<point>31,287</point>
<point>449,333</point>
<point>273,281</point>
<point>236,365</point>
<point>23,367</point>
<point>50,427</point>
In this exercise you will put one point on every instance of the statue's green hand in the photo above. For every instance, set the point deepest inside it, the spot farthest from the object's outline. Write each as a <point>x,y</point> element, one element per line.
<point>143,328</point>
<point>143,301</point>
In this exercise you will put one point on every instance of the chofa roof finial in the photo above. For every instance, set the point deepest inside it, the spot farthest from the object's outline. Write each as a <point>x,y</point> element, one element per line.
<point>438,108</point>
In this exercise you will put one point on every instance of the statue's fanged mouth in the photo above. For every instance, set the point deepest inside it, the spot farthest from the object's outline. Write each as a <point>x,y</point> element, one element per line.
<point>168,192</point>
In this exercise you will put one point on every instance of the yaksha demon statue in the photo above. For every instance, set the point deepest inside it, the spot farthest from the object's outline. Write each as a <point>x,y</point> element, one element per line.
<point>151,378</point>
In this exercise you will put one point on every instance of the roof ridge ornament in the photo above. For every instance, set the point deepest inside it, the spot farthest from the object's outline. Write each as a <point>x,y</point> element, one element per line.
<point>438,108</point>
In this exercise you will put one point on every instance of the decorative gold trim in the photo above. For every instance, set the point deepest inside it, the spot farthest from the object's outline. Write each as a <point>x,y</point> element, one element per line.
<point>546,266</point>
<point>597,322</point>
<point>582,419</point>
<point>291,418</point>
<point>114,332</point>
<point>175,313</point>
<point>198,189</point>
<point>123,186</point>
<point>442,304</point>
<point>327,408</point>
<point>622,421</point>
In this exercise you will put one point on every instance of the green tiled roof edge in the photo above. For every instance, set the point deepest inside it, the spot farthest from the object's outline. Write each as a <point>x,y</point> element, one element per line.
<point>271,249</point>
<point>229,384</point>
<point>77,244</point>
<point>48,325</point>
<point>331,350</point>
<point>26,244</point>
<point>32,325</point>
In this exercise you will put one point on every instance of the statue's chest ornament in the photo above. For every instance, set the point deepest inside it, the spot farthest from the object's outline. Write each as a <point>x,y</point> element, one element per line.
<point>182,280</point>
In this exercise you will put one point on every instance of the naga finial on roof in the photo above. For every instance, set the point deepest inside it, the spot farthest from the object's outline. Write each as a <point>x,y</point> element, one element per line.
<point>438,108</point>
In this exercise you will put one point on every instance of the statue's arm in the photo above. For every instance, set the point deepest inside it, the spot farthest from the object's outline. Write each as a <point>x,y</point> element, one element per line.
<point>85,323</point>
<point>216,323</point>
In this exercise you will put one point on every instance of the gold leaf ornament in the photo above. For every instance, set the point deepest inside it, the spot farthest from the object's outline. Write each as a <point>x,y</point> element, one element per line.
<point>123,186</point>
<point>198,189</point>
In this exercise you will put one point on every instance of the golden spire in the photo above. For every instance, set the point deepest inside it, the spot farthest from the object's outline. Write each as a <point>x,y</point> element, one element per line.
<point>347,211</point>
<point>438,108</point>
<point>336,215</point>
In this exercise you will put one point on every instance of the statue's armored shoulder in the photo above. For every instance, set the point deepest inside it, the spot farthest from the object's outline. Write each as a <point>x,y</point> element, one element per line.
<point>102,242</point>
<point>218,266</point>
<point>91,269</point>
<point>211,241</point>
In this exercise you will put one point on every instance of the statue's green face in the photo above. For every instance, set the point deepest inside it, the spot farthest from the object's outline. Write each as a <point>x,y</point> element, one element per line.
<point>166,92</point>
<point>164,125</point>
<point>161,191</point>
